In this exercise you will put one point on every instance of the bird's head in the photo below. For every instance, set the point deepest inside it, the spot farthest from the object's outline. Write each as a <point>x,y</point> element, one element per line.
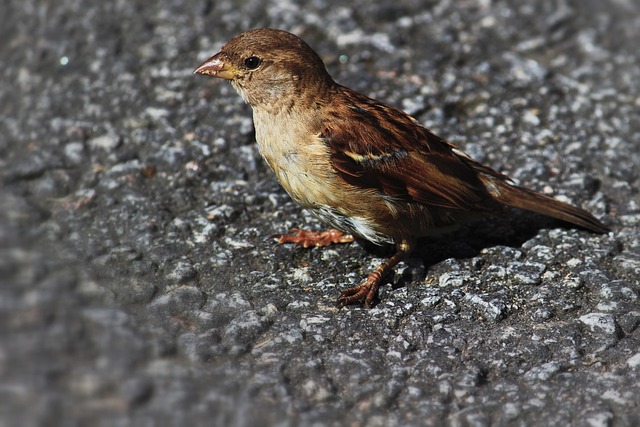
<point>268,67</point>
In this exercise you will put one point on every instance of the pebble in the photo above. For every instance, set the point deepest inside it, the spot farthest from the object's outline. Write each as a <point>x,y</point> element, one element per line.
<point>526,273</point>
<point>453,279</point>
<point>74,152</point>
<point>106,142</point>
<point>180,300</point>
<point>182,272</point>
<point>628,263</point>
<point>600,322</point>
<point>493,309</point>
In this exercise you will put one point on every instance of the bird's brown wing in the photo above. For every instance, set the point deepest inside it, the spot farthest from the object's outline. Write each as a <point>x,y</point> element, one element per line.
<point>375,146</point>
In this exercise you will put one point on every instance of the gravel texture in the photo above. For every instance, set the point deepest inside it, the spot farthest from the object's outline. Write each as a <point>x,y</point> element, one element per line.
<point>138,285</point>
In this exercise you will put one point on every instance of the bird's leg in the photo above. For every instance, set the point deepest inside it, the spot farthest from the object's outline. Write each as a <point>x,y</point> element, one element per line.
<point>308,239</point>
<point>368,289</point>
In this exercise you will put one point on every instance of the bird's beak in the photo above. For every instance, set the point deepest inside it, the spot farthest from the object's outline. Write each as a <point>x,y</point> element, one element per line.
<point>217,66</point>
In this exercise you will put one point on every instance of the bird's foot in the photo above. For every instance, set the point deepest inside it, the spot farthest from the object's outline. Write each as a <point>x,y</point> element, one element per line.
<point>308,239</point>
<point>366,290</point>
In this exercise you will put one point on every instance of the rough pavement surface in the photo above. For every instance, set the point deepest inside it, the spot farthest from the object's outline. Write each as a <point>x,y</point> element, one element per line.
<point>138,285</point>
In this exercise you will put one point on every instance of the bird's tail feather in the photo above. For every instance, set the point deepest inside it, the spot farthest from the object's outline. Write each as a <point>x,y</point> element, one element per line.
<point>523,198</point>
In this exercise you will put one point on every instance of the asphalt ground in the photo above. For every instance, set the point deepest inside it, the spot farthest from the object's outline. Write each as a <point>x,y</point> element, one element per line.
<point>138,283</point>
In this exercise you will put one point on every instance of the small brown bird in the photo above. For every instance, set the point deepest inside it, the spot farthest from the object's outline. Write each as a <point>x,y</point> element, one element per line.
<point>363,167</point>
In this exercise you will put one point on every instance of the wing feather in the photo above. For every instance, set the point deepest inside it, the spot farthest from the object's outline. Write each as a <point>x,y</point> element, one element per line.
<point>376,146</point>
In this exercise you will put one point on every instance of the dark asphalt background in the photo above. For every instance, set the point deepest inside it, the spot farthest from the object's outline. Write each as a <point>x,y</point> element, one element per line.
<point>138,282</point>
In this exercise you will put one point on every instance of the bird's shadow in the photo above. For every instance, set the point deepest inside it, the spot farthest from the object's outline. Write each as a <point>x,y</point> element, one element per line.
<point>471,239</point>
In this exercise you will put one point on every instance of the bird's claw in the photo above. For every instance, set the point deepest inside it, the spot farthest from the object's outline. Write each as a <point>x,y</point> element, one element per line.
<point>308,239</point>
<point>367,290</point>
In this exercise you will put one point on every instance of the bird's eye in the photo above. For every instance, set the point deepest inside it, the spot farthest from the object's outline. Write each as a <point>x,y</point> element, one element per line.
<point>252,62</point>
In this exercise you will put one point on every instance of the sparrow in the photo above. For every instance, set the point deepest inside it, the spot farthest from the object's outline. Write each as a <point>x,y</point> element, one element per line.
<point>363,167</point>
